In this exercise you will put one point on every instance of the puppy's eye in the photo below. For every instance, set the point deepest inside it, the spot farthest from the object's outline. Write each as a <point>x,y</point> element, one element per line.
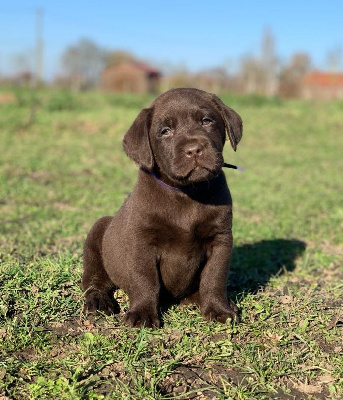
<point>166,131</point>
<point>206,121</point>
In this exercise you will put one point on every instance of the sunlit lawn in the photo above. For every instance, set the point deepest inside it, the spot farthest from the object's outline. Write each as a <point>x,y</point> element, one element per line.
<point>62,167</point>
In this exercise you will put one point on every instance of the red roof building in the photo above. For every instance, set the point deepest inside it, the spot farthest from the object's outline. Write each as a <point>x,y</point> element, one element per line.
<point>322,85</point>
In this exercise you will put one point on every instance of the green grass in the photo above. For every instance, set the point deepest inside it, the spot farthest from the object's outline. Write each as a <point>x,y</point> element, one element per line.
<point>62,167</point>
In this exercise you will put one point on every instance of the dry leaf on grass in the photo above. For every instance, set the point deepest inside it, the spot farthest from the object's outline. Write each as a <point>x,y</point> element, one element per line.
<point>286,299</point>
<point>335,320</point>
<point>309,389</point>
<point>327,378</point>
<point>274,337</point>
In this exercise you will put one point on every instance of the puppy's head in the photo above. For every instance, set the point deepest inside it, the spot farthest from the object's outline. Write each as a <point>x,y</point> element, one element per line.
<point>182,135</point>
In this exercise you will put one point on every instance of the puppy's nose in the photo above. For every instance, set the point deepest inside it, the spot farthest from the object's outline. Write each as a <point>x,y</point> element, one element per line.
<point>194,150</point>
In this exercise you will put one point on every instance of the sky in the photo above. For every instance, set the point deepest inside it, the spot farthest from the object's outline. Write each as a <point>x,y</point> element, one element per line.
<point>192,34</point>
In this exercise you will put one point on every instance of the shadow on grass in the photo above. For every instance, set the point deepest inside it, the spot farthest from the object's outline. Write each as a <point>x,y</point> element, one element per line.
<point>253,265</point>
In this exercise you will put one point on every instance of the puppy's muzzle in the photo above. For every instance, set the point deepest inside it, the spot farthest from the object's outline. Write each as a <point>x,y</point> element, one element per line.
<point>194,150</point>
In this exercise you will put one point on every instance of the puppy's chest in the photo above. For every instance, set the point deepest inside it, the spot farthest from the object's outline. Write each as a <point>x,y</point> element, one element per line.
<point>180,234</point>
<point>181,246</point>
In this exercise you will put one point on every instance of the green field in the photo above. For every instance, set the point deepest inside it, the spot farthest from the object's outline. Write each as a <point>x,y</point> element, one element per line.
<point>62,167</point>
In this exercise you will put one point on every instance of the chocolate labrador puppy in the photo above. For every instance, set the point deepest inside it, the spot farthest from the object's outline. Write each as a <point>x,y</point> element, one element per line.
<point>172,236</point>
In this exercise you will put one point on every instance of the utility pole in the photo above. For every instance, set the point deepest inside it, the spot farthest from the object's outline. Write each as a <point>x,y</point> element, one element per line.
<point>39,47</point>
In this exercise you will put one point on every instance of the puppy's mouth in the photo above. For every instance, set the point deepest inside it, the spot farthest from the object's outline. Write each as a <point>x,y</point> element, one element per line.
<point>198,173</point>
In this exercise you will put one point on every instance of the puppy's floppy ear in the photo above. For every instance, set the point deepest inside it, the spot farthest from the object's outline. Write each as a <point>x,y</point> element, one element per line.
<point>136,141</point>
<point>233,122</point>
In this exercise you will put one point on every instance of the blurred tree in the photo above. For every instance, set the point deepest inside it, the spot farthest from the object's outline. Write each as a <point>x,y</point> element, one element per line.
<point>250,74</point>
<point>83,63</point>
<point>21,63</point>
<point>269,63</point>
<point>117,57</point>
<point>291,75</point>
<point>260,74</point>
<point>21,70</point>
<point>176,77</point>
<point>334,59</point>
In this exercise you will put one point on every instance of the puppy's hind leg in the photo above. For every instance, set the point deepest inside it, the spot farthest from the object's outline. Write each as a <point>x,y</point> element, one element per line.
<point>96,283</point>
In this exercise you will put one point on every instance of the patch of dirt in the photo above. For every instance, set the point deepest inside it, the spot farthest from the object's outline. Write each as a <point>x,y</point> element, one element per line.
<point>200,382</point>
<point>42,176</point>
<point>75,327</point>
<point>89,127</point>
<point>6,98</point>
<point>330,347</point>
<point>184,382</point>
<point>62,206</point>
<point>317,390</point>
<point>86,127</point>
<point>329,248</point>
<point>187,382</point>
<point>72,328</point>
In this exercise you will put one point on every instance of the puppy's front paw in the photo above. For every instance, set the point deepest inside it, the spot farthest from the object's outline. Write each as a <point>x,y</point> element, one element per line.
<point>221,313</point>
<point>100,301</point>
<point>142,317</point>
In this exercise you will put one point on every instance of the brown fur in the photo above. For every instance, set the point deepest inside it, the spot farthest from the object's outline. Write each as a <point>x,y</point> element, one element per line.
<point>169,241</point>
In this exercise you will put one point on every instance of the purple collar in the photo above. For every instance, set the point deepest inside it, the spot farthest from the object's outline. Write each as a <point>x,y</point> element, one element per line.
<point>174,189</point>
